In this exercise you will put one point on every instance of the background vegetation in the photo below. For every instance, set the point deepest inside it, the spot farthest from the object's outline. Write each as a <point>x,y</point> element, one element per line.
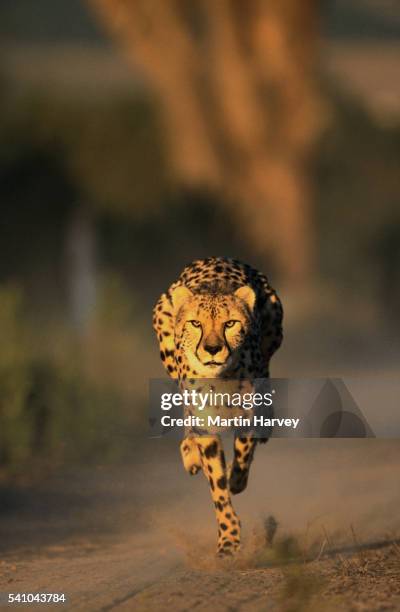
<point>96,222</point>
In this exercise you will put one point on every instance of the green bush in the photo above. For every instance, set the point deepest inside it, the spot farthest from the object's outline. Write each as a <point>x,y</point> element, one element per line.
<point>15,381</point>
<point>50,411</point>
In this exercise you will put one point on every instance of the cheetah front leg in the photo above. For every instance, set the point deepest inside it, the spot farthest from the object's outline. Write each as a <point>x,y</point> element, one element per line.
<point>244,447</point>
<point>214,468</point>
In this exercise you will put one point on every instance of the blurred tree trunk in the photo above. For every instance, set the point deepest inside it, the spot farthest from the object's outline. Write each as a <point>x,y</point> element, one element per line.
<point>81,266</point>
<point>236,85</point>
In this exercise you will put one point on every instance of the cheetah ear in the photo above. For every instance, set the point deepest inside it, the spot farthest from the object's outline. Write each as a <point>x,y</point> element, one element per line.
<point>179,295</point>
<point>246,294</point>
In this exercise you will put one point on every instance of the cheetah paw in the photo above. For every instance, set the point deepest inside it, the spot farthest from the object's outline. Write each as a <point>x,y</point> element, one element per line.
<point>237,479</point>
<point>190,456</point>
<point>227,548</point>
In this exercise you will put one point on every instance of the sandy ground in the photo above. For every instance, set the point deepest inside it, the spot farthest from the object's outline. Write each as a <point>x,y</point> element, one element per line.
<point>142,537</point>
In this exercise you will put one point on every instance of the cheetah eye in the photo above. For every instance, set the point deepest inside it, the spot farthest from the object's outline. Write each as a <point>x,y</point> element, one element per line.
<point>231,323</point>
<point>195,323</point>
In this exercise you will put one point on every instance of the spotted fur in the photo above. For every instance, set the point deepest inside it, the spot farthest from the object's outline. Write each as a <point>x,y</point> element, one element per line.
<point>220,319</point>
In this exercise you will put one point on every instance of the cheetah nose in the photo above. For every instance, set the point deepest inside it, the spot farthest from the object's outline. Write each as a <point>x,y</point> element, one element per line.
<point>213,349</point>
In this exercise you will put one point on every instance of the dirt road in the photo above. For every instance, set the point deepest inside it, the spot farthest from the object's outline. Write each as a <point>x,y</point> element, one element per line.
<point>141,537</point>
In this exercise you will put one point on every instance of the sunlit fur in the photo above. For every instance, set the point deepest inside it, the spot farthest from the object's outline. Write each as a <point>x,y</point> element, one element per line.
<point>220,320</point>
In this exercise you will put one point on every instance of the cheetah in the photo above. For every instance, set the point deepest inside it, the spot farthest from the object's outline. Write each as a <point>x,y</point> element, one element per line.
<point>220,320</point>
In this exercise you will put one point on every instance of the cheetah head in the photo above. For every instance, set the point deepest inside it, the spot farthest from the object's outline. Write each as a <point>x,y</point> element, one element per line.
<point>210,329</point>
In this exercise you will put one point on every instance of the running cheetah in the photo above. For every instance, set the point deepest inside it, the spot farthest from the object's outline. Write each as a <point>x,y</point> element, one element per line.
<point>220,319</point>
